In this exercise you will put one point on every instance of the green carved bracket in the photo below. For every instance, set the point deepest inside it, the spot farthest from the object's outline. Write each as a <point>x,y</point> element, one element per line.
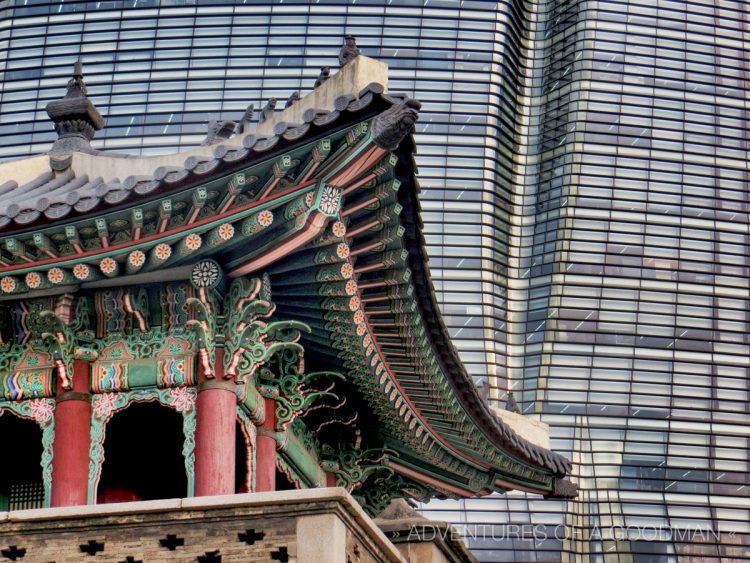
<point>62,344</point>
<point>204,327</point>
<point>250,340</point>
<point>290,389</point>
<point>377,493</point>
<point>352,467</point>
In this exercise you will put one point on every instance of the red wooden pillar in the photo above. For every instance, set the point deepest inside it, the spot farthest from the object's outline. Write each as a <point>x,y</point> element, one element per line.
<point>70,464</point>
<point>265,451</point>
<point>216,426</point>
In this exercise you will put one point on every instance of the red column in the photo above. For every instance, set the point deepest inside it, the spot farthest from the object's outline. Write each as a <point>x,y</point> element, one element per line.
<point>265,451</point>
<point>70,464</point>
<point>330,480</point>
<point>216,424</point>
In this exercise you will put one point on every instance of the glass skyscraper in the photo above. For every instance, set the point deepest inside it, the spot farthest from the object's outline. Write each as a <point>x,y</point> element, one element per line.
<point>585,193</point>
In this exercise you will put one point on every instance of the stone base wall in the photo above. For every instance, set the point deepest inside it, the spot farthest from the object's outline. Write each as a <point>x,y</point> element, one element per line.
<point>318,525</point>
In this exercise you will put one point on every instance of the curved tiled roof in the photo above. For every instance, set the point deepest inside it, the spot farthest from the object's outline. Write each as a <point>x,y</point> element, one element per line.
<point>76,188</point>
<point>55,195</point>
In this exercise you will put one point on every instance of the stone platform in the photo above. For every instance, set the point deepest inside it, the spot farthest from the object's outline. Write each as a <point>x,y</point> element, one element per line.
<point>305,526</point>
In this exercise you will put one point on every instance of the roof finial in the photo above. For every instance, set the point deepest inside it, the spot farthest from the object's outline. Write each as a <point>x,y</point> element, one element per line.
<point>349,51</point>
<point>76,121</point>
<point>510,403</point>
<point>76,85</point>
<point>390,127</point>
<point>325,74</point>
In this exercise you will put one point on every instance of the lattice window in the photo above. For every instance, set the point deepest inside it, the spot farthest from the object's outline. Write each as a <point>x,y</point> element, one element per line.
<point>26,495</point>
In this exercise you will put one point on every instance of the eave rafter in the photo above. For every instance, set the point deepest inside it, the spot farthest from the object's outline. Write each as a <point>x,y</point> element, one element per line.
<point>377,289</point>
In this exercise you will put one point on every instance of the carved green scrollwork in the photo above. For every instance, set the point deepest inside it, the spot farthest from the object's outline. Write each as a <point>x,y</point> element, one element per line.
<point>62,344</point>
<point>42,412</point>
<point>104,405</point>
<point>250,338</point>
<point>353,467</point>
<point>204,327</point>
<point>291,388</point>
<point>378,492</point>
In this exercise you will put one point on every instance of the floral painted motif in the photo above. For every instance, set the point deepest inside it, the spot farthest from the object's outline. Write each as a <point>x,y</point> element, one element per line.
<point>226,231</point>
<point>342,250</point>
<point>193,241</point>
<point>330,200</point>
<point>136,258</point>
<point>108,266</point>
<point>351,287</point>
<point>182,399</point>
<point>361,329</point>
<point>81,271</point>
<point>33,280</point>
<point>338,229</point>
<point>8,284</point>
<point>41,410</point>
<point>265,218</point>
<point>205,274</point>
<point>104,405</point>
<point>347,270</point>
<point>56,275</point>
<point>354,303</point>
<point>359,317</point>
<point>163,251</point>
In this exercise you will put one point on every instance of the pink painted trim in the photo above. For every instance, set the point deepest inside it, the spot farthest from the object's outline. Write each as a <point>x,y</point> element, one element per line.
<point>370,268</point>
<point>367,248</point>
<point>271,187</point>
<point>361,205</point>
<point>372,284</point>
<point>362,229</point>
<point>416,411</point>
<point>358,167</point>
<point>314,226</point>
<point>376,299</point>
<point>359,183</point>
<point>509,485</point>
<point>310,172</point>
<point>429,480</point>
<point>228,204</point>
<point>156,236</point>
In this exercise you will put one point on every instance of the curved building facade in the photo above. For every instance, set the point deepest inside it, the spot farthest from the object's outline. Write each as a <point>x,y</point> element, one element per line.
<point>585,193</point>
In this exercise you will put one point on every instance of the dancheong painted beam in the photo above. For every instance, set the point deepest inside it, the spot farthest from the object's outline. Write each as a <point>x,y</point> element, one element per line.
<point>272,280</point>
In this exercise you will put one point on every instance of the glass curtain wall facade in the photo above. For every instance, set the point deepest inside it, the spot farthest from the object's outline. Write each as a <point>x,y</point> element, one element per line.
<point>585,195</point>
<point>631,273</point>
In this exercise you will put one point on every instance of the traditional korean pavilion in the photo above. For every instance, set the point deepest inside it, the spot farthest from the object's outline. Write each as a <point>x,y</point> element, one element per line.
<point>252,315</point>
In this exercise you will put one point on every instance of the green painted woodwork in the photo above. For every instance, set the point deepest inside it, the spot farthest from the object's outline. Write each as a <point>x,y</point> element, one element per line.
<point>301,459</point>
<point>42,412</point>
<point>251,402</point>
<point>154,359</point>
<point>354,467</point>
<point>104,405</point>
<point>250,433</point>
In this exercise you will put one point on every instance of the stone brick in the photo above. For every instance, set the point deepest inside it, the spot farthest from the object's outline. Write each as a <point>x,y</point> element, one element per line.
<point>316,525</point>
